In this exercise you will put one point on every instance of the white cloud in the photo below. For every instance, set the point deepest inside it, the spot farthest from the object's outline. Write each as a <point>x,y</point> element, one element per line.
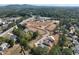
<point>39,1</point>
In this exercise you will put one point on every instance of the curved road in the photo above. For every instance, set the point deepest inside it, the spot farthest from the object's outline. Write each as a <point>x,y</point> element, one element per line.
<point>47,33</point>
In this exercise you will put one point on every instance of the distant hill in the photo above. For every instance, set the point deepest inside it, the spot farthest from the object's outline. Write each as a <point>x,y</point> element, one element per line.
<point>24,6</point>
<point>16,6</point>
<point>48,11</point>
<point>20,6</point>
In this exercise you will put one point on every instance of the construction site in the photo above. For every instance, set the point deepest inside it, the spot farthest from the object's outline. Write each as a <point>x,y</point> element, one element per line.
<point>45,28</point>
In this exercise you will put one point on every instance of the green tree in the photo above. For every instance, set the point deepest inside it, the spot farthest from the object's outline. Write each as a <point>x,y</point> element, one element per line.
<point>11,42</point>
<point>55,50</point>
<point>11,25</point>
<point>16,31</point>
<point>2,39</point>
<point>39,51</point>
<point>62,40</point>
<point>67,51</point>
<point>22,27</point>
<point>24,45</point>
<point>35,34</point>
<point>29,35</point>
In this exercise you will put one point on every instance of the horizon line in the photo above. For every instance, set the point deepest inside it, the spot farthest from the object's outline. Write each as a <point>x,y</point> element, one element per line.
<point>43,4</point>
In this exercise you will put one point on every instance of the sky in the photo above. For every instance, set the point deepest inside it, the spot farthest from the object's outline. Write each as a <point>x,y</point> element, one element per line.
<point>42,2</point>
<point>57,4</point>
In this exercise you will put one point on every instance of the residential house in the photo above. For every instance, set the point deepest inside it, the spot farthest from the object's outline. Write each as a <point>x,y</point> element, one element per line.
<point>1,21</point>
<point>76,49</point>
<point>72,30</point>
<point>12,36</point>
<point>45,42</point>
<point>5,26</point>
<point>26,30</point>
<point>3,47</point>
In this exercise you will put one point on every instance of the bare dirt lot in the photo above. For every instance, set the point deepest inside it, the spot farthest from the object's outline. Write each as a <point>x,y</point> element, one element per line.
<point>44,28</point>
<point>15,50</point>
<point>56,36</point>
<point>41,26</point>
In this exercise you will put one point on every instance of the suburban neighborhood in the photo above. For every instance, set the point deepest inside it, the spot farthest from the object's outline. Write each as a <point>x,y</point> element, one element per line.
<point>39,30</point>
<point>46,37</point>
